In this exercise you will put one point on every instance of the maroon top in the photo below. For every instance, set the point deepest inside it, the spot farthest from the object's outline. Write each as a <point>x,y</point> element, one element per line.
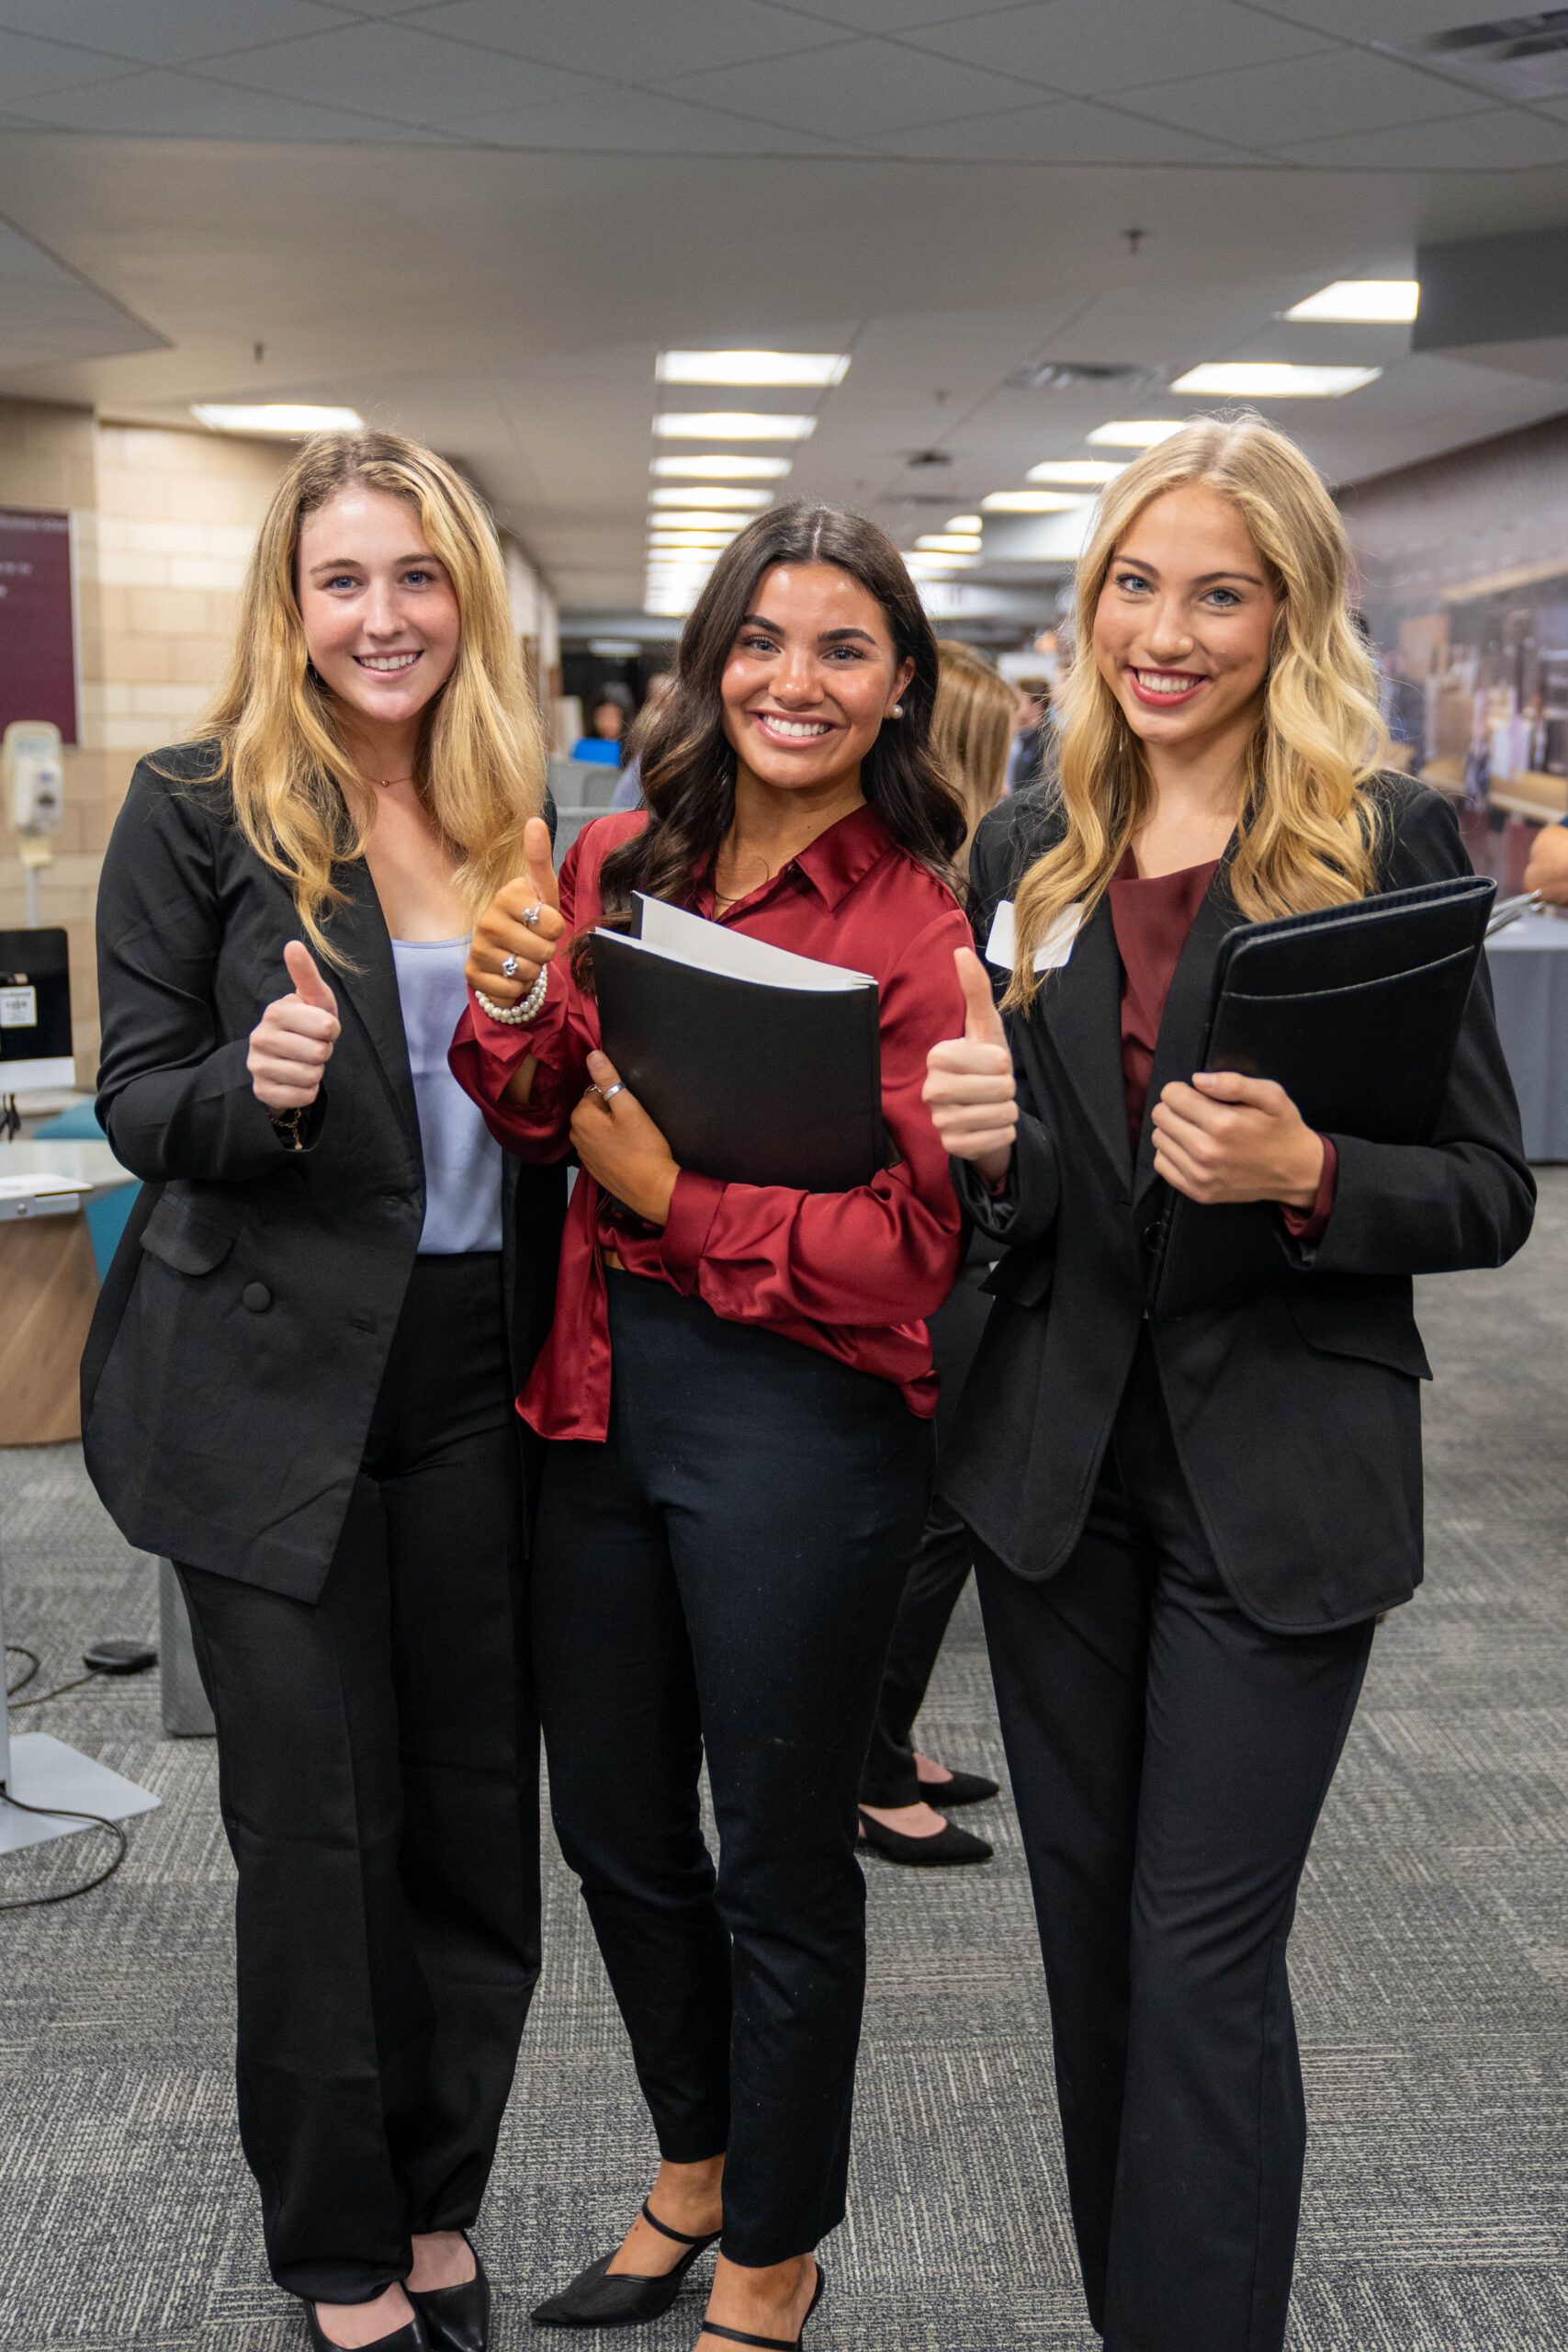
<point>1151,915</point>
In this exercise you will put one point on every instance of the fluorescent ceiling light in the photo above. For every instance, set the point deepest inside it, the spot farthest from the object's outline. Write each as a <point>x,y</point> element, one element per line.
<point>1134,433</point>
<point>1084,469</point>
<point>963,522</point>
<point>949,542</point>
<point>1031,502</point>
<point>932,563</point>
<point>733,424</point>
<point>752,367</point>
<point>709,494</point>
<point>696,518</point>
<point>1273,379</point>
<point>292,417</point>
<point>724,465</point>
<point>615,648</point>
<point>687,543</point>
<point>1390,301</point>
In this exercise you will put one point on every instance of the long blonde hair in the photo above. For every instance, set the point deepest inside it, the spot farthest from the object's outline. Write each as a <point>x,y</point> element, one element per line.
<point>1307,827</point>
<point>479,768</point>
<point>971,730</point>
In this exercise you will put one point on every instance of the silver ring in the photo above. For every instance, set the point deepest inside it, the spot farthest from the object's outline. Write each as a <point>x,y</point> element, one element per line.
<point>509,967</point>
<point>531,916</point>
<point>607,1090</point>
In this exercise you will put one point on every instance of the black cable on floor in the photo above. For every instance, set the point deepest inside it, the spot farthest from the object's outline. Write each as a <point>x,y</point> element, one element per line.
<point>58,1693</point>
<point>59,1813</point>
<point>17,1649</point>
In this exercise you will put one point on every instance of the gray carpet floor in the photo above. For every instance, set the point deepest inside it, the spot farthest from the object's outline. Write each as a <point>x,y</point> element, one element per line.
<point>1430,1964</point>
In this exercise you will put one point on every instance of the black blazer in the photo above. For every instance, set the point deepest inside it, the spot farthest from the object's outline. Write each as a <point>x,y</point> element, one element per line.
<point>242,1332</point>
<point>1296,1416</point>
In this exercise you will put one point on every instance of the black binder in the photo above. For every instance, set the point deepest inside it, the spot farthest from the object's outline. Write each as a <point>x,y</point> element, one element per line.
<point>1355,1011</point>
<point>753,1080</point>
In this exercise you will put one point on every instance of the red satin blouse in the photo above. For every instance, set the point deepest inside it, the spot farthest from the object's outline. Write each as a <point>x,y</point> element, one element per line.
<point>852,1273</point>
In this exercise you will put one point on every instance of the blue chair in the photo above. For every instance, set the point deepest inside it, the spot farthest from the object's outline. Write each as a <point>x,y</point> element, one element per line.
<point>105,1217</point>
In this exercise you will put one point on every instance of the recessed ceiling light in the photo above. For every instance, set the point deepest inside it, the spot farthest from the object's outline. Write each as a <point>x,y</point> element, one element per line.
<point>949,542</point>
<point>1084,469</point>
<point>1388,299</point>
<point>709,494</point>
<point>1031,502</point>
<point>1273,379</point>
<point>724,465</point>
<point>696,518</point>
<point>1135,432</point>
<point>918,562</point>
<point>752,367</point>
<point>700,541</point>
<point>733,424</point>
<point>292,417</point>
<point>963,522</point>
<point>615,648</point>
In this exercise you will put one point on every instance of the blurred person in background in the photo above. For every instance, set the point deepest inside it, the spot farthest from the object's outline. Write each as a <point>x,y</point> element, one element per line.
<point>1031,724</point>
<point>972,726</point>
<point>627,793</point>
<point>1547,872</point>
<point>610,717</point>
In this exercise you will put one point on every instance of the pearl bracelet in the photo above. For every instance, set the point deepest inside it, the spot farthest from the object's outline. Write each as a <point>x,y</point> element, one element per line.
<point>514,1015</point>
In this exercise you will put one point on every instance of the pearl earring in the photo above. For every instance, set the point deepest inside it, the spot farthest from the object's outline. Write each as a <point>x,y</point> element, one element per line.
<point>898,710</point>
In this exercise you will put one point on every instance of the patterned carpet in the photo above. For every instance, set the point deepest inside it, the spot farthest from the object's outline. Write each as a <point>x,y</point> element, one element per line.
<point>1430,1965</point>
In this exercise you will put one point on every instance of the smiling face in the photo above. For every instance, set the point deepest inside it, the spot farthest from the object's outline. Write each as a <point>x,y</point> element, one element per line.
<point>380,617</point>
<point>811,677</point>
<point>1184,623</point>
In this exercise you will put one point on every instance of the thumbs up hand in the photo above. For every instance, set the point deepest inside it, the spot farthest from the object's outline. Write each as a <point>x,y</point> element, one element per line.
<point>522,924</point>
<point>970,1089</point>
<point>292,1043</point>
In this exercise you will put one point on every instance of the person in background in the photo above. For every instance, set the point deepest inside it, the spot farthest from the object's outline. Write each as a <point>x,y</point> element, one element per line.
<point>900,1789</point>
<point>1185,1529</point>
<point>298,1384</point>
<point>1547,872</point>
<point>609,723</point>
<point>1031,723</point>
<point>627,793</point>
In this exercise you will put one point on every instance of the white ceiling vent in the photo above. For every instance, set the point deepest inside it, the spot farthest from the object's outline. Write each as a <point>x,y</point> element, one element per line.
<point>1519,56</point>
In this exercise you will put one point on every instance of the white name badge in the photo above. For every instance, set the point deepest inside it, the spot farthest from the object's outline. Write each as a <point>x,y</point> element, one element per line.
<point>1053,949</point>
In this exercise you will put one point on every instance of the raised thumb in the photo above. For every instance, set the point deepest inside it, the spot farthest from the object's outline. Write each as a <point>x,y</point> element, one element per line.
<point>541,870</point>
<point>982,1021</point>
<point>309,985</point>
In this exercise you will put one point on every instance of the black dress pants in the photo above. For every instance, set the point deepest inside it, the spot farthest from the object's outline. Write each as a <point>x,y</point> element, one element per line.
<point>721,1575</point>
<point>377,1772</point>
<point>1169,1758</point>
<point>938,1572</point>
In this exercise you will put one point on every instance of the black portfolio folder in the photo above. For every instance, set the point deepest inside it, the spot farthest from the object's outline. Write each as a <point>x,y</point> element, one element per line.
<point>766,1072</point>
<point>1355,1011</point>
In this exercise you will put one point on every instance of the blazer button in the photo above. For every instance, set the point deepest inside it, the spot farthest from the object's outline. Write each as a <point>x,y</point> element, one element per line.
<point>256,1296</point>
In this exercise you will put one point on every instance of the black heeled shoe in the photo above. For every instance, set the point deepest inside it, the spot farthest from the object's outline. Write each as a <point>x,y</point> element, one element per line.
<point>600,2297</point>
<point>950,1844</point>
<point>769,2343</point>
<point>411,2338</point>
<point>457,2319</point>
<point>959,1788</point>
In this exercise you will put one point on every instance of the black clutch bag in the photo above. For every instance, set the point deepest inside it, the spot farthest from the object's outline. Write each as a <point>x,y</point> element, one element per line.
<point>1355,1011</point>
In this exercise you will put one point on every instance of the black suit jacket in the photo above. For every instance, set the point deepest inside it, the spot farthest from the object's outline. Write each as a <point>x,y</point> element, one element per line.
<point>1297,1415</point>
<point>242,1332</point>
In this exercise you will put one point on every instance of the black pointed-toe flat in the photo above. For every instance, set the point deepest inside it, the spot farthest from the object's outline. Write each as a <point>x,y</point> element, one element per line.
<point>411,2338</point>
<point>949,1846</point>
<point>457,2319</point>
<point>600,2297</point>
<point>961,1788</point>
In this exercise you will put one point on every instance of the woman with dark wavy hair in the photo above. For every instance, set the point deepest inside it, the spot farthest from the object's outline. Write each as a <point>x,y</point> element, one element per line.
<point>738,1387</point>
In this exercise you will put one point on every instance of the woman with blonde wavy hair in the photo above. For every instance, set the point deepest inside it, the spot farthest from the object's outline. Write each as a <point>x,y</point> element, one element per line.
<point>1185,1528</point>
<point>299,1385</point>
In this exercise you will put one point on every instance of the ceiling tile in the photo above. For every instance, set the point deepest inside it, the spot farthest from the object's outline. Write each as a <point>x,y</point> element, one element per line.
<point>27,67</point>
<point>892,16</point>
<point>1086,46</point>
<point>169,33</point>
<point>1331,95</point>
<point>1064,131</point>
<point>630,40</point>
<point>854,92</point>
<point>1391,20</point>
<point>1504,139</point>
<point>386,70</point>
<point>614,121</point>
<point>185,105</point>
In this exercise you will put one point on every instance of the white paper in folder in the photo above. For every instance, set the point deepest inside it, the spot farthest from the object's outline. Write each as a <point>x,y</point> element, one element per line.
<point>717,947</point>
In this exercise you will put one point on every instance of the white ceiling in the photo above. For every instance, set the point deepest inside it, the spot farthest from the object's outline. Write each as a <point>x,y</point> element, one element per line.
<point>481,220</point>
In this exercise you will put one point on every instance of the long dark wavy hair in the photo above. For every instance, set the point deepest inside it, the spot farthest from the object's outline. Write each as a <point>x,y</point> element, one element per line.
<point>688,761</point>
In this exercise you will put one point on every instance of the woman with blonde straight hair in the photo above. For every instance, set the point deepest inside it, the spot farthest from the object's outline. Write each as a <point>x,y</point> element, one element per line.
<point>300,1381</point>
<point>1185,1527</point>
<point>972,727</point>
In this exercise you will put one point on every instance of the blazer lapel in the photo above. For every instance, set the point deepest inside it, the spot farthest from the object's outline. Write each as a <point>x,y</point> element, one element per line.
<point>1185,1013</point>
<point>1080,1008</point>
<point>359,928</point>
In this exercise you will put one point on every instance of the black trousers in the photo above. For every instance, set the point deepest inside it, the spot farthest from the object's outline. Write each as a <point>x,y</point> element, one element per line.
<point>377,1771</point>
<point>938,1572</point>
<point>721,1575</point>
<point>1169,1758</point>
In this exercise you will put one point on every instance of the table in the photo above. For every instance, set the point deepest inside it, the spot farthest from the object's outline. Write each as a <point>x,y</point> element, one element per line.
<point>48,1283</point>
<point>1529,962</point>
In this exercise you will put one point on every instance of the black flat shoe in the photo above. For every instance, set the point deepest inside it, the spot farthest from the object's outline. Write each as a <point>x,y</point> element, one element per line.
<point>950,1844</point>
<point>411,2338</point>
<point>457,2319</point>
<point>964,1788</point>
<point>768,2343</point>
<point>600,2297</point>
